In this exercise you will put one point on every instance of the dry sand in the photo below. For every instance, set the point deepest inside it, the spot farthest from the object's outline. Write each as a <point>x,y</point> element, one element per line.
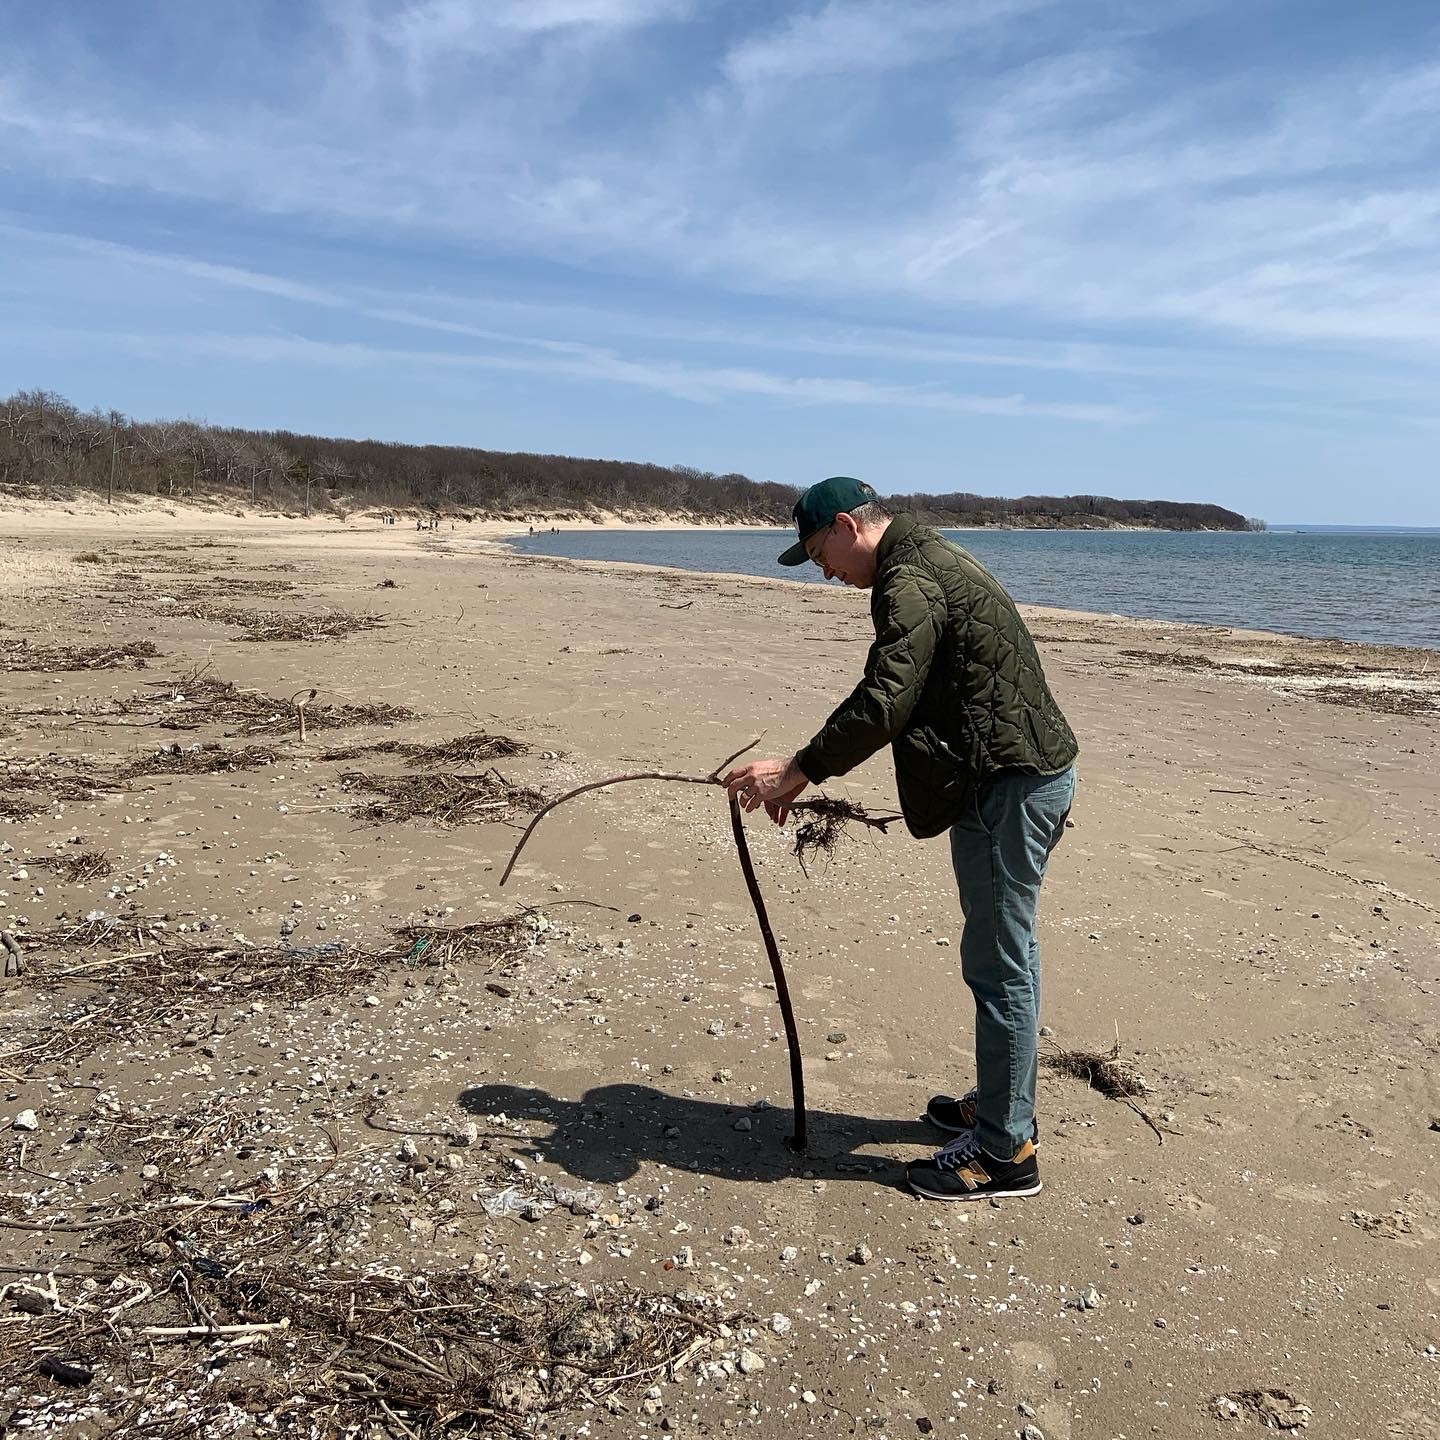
<point>1248,900</point>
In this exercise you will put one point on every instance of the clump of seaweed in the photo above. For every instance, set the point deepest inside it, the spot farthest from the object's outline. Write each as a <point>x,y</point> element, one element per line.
<point>28,787</point>
<point>1113,1077</point>
<point>826,826</point>
<point>202,699</point>
<point>278,625</point>
<point>448,799</point>
<point>208,759</point>
<point>134,977</point>
<point>333,1349</point>
<point>1391,701</point>
<point>491,941</point>
<point>18,654</point>
<point>467,749</point>
<point>77,868</point>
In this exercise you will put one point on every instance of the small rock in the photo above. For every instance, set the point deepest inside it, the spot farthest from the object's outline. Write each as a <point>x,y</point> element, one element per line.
<point>744,1123</point>
<point>750,1363</point>
<point>634,919</point>
<point>861,1255</point>
<point>737,1235</point>
<point>26,1120</point>
<point>469,1135</point>
<point>1047,1031</point>
<point>1138,1218</point>
<point>833,1055</point>
<point>1032,1432</point>
<point>809,1396</point>
<point>715,1027</point>
<point>780,1324</point>
<point>685,1259</point>
<point>149,1172</point>
<point>1026,1409</point>
<point>788,1254</point>
<point>835,1037</point>
<point>407,1149</point>
<point>924,1424</point>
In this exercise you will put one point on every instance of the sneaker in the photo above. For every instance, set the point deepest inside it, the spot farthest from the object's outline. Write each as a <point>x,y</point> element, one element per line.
<point>963,1171</point>
<point>945,1112</point>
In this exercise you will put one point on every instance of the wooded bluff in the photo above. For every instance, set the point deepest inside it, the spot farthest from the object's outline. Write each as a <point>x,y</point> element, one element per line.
<point>49,447</point>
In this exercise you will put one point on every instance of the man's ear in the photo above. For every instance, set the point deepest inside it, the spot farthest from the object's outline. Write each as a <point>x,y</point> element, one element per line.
<point>846,521</point>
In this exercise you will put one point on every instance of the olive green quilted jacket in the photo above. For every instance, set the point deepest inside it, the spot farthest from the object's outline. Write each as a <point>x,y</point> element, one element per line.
<point>953,683</point>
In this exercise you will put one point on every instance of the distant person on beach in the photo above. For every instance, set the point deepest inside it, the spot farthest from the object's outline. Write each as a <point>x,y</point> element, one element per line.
<point>953,684</point>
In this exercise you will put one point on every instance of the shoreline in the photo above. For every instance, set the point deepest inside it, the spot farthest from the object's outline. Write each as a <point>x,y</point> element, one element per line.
<point>493,536</point>
<point>1370,648</point>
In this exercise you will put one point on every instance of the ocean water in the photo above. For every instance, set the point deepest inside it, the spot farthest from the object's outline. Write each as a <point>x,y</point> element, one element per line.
<point>1381,586</point>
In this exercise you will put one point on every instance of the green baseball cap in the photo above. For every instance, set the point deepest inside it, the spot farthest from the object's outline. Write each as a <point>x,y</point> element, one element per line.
<point>820,504</point>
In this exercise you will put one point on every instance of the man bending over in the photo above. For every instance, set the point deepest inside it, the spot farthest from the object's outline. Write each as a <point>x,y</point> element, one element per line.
<point>953,685</point>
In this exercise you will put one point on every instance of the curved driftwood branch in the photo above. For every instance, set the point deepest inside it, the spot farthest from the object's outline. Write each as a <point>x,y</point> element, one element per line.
<point>831,814</point>
<point>782,990</point>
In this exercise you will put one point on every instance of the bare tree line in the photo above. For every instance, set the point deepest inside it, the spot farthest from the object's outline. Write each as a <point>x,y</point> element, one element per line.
<point>49,447</point>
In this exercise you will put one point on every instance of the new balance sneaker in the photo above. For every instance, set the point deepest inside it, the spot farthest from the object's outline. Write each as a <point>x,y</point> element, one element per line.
<point>961,1170</point>
<point>945,1112</point>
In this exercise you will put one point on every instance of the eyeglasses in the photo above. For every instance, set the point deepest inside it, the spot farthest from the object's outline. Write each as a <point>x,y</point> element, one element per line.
<point>818,556</point>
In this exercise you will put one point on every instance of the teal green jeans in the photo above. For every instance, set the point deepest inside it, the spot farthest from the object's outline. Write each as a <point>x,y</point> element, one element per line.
<point>1000,849</point>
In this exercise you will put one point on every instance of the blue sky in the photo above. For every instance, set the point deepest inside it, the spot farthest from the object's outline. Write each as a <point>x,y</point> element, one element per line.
<point>1186,250</point>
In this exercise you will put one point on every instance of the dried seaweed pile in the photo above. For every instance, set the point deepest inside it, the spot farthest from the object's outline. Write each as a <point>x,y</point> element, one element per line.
<point>277,625</point>
<point>193,1286</point>
<point>208,759</point>
<point>490,941</point>
<point>1113,1077</point>
<point>201,699</point>
<point>75,869</point>
<point>17,653</point>
<point>467,749</point>
<point>28,787</point>
<point>1387,701</point>
<point>447,799</point>
<point>1386,689</point>
<point>134,978</point>
<point>169,1142</point>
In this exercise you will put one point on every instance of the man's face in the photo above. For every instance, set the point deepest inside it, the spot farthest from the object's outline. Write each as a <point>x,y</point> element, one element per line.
<point>843,552</point>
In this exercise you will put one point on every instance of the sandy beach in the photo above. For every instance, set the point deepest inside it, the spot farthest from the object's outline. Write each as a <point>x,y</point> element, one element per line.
<point>1247,906</point>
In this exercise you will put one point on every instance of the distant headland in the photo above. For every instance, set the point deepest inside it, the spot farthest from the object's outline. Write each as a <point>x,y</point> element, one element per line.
<point>50,449</point>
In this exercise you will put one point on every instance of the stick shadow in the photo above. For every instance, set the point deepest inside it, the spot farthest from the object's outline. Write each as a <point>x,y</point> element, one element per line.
<point>612,1130</point>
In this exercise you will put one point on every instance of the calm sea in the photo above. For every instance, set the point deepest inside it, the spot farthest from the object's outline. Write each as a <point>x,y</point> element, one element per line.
<point>1355,584</point>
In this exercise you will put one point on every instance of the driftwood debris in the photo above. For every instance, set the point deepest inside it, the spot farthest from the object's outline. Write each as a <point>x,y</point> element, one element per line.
<point>831,816</point>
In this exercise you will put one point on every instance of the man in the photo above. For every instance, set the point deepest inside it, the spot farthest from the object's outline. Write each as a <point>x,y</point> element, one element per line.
<point>954,685</point>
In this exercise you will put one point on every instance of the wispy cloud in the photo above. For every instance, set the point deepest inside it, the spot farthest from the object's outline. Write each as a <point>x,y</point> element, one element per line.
<point>1078,185</point>
<point>843,36</point>
<point>1076,213</point>
<point>699,384</point>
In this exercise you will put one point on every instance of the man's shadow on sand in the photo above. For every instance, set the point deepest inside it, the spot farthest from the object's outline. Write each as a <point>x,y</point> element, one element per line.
<point>610,1131</point>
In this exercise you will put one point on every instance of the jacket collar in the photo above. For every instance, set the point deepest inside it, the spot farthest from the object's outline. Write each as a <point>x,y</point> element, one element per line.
<point>895,533</point>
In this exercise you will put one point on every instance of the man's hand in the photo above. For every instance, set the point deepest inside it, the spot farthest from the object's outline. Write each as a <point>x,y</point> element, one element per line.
<point>771,783</point>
